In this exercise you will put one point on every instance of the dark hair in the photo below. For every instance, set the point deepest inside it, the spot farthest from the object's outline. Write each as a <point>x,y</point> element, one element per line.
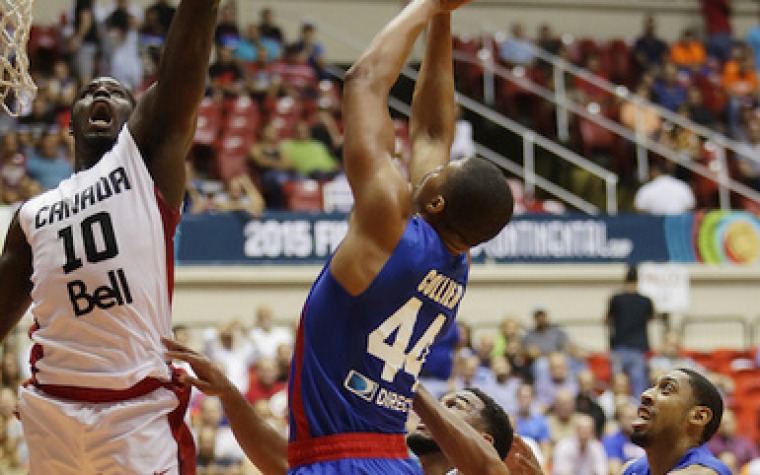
<point>496,423</point>
<point>706,394</point>
<point>479,202</point>
<point>632,275</point>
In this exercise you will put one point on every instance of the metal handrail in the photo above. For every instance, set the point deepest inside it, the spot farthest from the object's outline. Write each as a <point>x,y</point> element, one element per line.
<point>623,93</point>
<point>722,320</point>
<point>719,142</point>
<point>530,139</point>
<point>528,173</point>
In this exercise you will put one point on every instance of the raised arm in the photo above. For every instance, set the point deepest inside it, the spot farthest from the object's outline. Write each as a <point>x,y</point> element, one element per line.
<point>465,447</point>
<point>15,275</point>
<point>380,192</point>
<point>382,196</point>
<point>163,123</point>
<point>369,137</point>
<point>431,126</point>
<point>263,444</point>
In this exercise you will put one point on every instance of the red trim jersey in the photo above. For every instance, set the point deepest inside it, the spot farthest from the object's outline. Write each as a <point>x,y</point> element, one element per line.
<point>102,277</point>
<point>357,358</point>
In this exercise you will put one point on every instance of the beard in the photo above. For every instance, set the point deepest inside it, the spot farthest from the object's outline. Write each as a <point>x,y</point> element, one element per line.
<point>422,444</point>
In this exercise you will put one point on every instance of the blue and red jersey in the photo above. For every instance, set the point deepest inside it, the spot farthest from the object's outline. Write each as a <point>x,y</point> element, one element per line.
<point>357,358</point>
<point>694,456</point>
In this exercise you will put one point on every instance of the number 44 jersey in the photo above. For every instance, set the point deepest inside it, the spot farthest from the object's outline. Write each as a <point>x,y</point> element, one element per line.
<point>102,257</point>
<point>357,358</point>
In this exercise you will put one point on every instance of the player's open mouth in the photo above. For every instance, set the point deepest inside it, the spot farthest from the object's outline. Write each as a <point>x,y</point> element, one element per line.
<point>644,413</point>
<point>644,416</point>
<point>100,115</point>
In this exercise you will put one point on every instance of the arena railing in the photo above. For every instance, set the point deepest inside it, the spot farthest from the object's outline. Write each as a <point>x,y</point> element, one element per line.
<point>530,139</point>
<point>711,332</point>
<point>644,145</point>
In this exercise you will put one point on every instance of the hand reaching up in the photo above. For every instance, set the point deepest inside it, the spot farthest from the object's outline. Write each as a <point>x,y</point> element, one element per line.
<point>446,6</point>
<point>210,379</point>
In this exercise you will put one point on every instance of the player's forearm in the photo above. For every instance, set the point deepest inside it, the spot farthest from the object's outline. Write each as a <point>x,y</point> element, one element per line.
<point>465,448</point>
<point>184,62</point>
<point>379,67</point>
<point>15,278</point>
<point>433,106</point>
<point>262,443</point>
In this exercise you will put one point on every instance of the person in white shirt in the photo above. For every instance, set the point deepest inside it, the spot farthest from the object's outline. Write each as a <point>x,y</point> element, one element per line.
<point>464,143</point>
<point>664,194</point>
<point>236,357</point>
<point>265,336</point>
<point>580,454</point>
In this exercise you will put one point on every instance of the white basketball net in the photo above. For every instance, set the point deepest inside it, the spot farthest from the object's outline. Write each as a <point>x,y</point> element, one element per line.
<point>17,89</point>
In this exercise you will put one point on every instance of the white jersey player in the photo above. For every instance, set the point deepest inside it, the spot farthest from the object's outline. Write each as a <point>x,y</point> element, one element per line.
<point>94,258</point>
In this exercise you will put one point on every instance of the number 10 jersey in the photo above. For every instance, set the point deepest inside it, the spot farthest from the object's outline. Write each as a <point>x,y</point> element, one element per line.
<point>103,262</point>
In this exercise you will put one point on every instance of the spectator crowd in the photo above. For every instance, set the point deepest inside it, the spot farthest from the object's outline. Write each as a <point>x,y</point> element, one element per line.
<point>270,133</point>
<point>708,81</point>
<point>573,407</point>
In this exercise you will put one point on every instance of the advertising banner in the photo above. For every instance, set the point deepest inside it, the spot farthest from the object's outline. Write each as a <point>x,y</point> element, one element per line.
<point>303,238</point>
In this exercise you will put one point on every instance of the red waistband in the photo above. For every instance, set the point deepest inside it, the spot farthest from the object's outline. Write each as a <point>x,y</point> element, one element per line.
<point>96,395</point>
<point>343,446</point>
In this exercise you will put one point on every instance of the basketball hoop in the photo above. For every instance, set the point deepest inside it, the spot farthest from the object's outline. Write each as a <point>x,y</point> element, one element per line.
<point>17,89</point>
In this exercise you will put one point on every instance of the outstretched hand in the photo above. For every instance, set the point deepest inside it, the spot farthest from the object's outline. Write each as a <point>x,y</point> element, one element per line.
<point>521,460</point>
<point>210,379</point>
<point>450,5</point>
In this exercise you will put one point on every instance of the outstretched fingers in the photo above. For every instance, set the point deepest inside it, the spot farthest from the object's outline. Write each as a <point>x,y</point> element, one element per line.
<point>451,5</point>
<point>208,377</point>
<point>529,465</point>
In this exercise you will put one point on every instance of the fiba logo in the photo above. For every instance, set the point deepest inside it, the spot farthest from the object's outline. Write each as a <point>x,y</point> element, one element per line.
<point>361,385</point>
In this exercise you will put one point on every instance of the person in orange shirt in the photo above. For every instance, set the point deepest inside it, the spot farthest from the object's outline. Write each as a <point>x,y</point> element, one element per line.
<point>739,77</point>
<point>739,80</point>
<point>688,53</point>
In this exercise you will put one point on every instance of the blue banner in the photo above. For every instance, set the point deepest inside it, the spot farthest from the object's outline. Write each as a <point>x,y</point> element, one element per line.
<point>304,238</point>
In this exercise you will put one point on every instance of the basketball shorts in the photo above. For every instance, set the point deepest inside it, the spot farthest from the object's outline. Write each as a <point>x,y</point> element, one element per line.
<point>131,437</point>
<point>360,467</point>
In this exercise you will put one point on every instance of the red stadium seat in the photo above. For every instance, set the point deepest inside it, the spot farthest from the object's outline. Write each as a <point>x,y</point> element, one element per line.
<point>744,380</point>
<point>746,406</point>
<point>468,74</point>
<point>595,137</point>
<point>232,152</point>
<point>284,114</point>
<point>209,122</point>
<point>231,163</point>
<point>303,195</point>
<point>599,364</point>
<point>43,47</point>
<point>621,62</point>
<point>241,113</point>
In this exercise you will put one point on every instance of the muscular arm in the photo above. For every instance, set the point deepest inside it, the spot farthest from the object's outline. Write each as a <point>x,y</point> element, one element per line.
<point>263,444</point>
<point>369,141</point>
<point>163,123</point>
<point>382,199</point>
<point>15,274</point>
<point>465,448</point>
<point>431,127</point>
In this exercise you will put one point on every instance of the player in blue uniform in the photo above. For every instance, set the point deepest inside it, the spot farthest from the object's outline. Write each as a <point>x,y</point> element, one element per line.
<point>677,416</point>
<point>468,433</point>
<point>396,280</point>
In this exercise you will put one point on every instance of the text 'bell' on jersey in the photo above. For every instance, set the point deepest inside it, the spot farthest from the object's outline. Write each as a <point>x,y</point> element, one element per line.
<point>357,358</point>
<point>102,278</point>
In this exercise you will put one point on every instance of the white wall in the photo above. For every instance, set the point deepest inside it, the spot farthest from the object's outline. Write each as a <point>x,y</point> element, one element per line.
<point>571,292</point>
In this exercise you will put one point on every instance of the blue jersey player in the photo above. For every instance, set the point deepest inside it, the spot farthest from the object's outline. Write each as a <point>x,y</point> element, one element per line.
<point>397,279</point>
<point>677,416</point>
